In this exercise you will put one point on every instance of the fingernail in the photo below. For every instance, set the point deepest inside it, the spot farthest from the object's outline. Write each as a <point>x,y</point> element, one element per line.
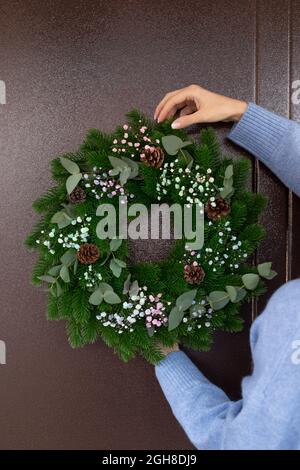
<point>157,120</point>
<point>175,125</point>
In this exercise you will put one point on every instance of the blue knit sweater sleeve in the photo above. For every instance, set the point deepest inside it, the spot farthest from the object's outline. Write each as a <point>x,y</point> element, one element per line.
<point>268,415</point>
<point>272,139</point>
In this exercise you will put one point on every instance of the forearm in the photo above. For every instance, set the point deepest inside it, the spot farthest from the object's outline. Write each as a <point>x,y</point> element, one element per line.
<point>274,140</point>
<point>199,406</point>
<point>209,418</point>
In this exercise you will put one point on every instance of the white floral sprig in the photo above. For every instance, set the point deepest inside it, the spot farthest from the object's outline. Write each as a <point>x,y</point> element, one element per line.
<point>101,184</point>
<point>73,239</point>
<point>140,307</point>
<point>199,316</point>
<point>193,187</point>
<point>230,254</point>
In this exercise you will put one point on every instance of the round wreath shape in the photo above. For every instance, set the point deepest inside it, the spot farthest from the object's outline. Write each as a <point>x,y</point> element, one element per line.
<point>137,307</point>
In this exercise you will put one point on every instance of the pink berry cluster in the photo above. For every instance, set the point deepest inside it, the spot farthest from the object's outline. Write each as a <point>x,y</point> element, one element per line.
<point>132,143</point>
<point>155,316</point>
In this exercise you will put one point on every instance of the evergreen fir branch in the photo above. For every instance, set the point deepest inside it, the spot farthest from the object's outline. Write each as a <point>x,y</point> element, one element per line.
<point>152,354</point>
<point>40,225</point>
<point>65,305</point>
<point>256,204</point>
<point>149,180</point>
<point>96,141</point>
<point>52,308</point>
<point>208,138</point>
<point>74,334</point>
<point>203,156</point>
<point>89,331</point>
<point>98,158</point>
<point>239,213</point>
<point>136,120</point>
<point>199,342</point>
<point>40,268</point>
<point>50,200</point>
<point>253,234</point>
<point>241,172</point>
<point>81,308</point>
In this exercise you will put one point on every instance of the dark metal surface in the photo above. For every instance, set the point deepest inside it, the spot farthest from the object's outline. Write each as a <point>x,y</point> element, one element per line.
<point>70,66</point>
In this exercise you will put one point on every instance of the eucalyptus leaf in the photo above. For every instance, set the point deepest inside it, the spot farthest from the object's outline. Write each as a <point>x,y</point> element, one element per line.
<point>120,262</point>
<point>64,273</point>
<point>175,318</point>
<point>58,288</point>
<point>69,209</point>
<point>185,158</point>
<point>57,217</point>
<point>70,166</point>
<point>61,219</point>
<point>250,281</point>
<point>226,192</point>
<point>115,244</point>
<point>96,298</point>
<point>236,294</point>
<point>69,257</point>
<point>124,175</point>
<point>75,267</point>
<point>126,286</point>
<point>115,268</point>
<point>265,270</point>
<point>171,144</point>
<point>134,167</point>
<point>54,271</point>
<point>114,172</point>
<point>232,292</point>
<point>64,223</point>
<point>184,301</point>
<point>104,287</point>
<point>228,189</point>
<point>271,275</point>
<point>111,297</point>
<point>48,279</point>
<point>241,294</point>
<point>229,172</point>
<point>52,290</point>
<point>218,299</point>
<point>185,144</point>
<point>228,183</point>
<point>117,163</point>
<point>134,289</point>
<point>72,182</point>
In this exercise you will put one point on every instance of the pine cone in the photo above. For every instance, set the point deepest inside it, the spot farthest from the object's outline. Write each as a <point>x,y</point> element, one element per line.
<point>88,253</point>
<point>193,273</point>
<point>77,195</point>
<point>217,209</point>
<point>153,156</point>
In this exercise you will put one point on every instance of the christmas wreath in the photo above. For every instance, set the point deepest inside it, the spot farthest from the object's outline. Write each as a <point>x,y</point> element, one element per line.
<point>135,308</point>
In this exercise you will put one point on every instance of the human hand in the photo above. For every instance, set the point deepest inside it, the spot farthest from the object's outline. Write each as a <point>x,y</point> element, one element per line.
<point>168,349</point>
<point>197,105</point>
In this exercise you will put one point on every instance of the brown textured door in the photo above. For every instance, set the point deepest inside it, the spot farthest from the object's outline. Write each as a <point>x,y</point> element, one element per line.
<point>72,65</point>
